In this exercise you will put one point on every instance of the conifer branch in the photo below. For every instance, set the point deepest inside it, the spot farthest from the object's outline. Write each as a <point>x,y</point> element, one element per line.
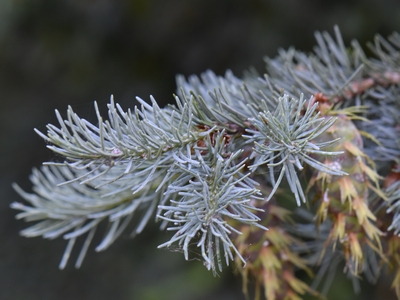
<point>198,166</point>
<point>284,139</point>
<point>204,196</point>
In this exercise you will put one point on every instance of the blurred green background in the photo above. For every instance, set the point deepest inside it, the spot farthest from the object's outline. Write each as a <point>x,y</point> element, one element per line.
<point>55,53</point>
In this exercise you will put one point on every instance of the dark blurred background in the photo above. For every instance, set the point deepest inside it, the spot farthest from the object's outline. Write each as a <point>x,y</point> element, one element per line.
<point>73,52</point>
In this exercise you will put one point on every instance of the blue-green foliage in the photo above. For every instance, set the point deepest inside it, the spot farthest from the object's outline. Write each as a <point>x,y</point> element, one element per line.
<point>193,165</point>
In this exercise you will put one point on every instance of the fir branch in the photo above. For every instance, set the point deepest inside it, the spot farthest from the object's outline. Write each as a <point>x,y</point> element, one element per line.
<point>73,210</point>
<point>284,139</point>
<point>203,197</point>
<point>130,138</point>
<point>193,164</point>
<point>228,100</point>
<point>384,126</point>
<point>329,70</point>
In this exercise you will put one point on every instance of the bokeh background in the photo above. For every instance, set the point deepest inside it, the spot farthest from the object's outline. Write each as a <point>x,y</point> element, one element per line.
<point>55,53</point>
